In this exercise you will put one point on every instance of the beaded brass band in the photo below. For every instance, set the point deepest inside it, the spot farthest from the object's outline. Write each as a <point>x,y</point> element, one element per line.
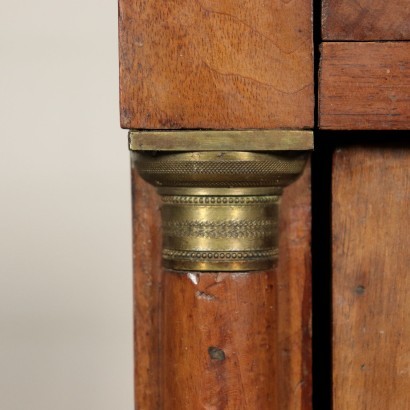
<point>219,208</point>
<point>219,232</point>
<point>219,261</point>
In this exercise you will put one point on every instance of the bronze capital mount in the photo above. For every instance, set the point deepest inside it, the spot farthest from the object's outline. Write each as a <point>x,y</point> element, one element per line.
<point>220,193</point>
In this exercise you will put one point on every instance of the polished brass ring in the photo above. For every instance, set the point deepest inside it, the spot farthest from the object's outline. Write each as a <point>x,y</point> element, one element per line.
<point>220,208</point>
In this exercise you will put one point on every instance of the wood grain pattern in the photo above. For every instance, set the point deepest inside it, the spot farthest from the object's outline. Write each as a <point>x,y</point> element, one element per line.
<point>211,64</point>
<point>364,20</point>
<point>371,287</point>
<point>294,290</point>
<point>365,86</point>
<point>147,239</point>
<point>233,314</point>
<point>289,358</point>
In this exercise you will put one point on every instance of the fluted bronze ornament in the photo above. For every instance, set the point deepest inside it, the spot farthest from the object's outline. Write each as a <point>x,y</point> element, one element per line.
<point>220,206</point>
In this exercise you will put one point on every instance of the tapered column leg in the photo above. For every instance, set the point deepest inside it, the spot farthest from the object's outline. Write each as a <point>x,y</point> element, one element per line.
<point>218,345</point>
<point>210,316</point>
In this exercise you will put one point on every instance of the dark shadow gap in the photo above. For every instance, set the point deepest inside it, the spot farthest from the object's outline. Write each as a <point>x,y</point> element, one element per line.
<point>321,246</point>
<point>321,272</point>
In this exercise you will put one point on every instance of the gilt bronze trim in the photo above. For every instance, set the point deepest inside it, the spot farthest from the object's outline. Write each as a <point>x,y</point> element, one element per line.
<point>210,140</point>
<point>219,208</point>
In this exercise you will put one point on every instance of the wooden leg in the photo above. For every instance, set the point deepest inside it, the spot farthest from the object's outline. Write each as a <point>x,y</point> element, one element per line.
<point>218,333</point>
<point>148,276</point>
<point>223,340</point>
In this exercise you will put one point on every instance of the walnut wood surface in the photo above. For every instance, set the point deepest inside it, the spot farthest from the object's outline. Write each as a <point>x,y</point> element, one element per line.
<point>216,64</point>
<point>260,320</point>
<point>371,287</point>
<point>294,351</point>
<point>362,20</point>
<point>147,239</point>
<point>234,313</point>
<point>365,86</point>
